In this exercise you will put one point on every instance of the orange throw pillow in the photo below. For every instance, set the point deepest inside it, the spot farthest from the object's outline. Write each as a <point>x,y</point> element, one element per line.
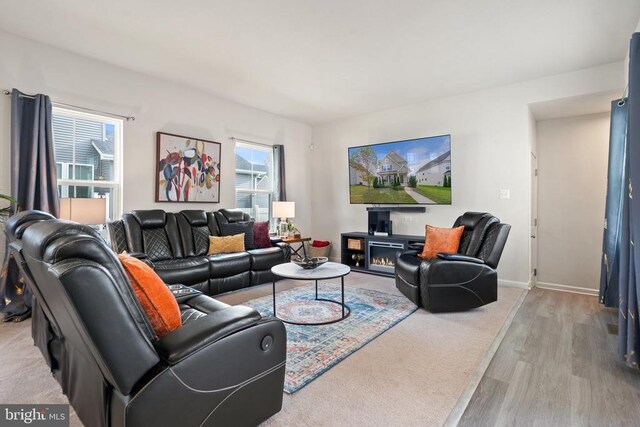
<point>156,299</point>
<point>438,240</point>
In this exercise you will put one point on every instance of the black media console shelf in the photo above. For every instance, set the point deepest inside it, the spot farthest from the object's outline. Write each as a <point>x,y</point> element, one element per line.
<point>416,209</point>
<point>374,254</point>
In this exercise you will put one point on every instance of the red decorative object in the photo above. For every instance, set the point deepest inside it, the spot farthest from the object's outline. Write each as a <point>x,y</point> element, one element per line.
<point>261,235</point>
<point>320,243</point>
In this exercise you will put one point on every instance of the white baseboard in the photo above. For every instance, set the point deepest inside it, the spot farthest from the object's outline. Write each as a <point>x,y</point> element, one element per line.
<point>567,288</point>
<point>513,284</point>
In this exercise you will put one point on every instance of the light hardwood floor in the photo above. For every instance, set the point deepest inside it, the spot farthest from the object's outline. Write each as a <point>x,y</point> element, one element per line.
<point>557,366</point>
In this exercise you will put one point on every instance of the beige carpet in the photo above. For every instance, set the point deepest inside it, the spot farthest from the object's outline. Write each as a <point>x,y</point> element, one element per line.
<point>413,374</point>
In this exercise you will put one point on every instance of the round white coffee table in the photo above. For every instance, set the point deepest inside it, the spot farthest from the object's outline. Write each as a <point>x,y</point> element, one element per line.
<point>328,270</point>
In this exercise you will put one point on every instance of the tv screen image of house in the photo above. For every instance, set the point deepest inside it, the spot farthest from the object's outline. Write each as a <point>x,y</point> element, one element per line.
<point>409,172</point>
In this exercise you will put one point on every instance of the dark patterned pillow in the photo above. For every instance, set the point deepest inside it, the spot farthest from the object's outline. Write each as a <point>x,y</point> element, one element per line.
<point>245,227</point>
<point>261,235</point>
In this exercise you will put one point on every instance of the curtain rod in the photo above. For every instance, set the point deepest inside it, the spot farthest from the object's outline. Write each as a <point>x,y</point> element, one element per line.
<point>233,138</point>
<point>60,104</point>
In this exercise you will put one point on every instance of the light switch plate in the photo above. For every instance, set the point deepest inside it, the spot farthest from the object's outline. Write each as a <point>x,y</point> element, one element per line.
<point>505,194</point>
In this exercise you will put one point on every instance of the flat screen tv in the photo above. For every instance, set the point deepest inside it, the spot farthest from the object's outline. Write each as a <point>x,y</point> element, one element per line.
<point>409,172</point>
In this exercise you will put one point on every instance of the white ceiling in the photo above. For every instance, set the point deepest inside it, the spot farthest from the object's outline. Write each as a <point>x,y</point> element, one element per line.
<point>320,60</point>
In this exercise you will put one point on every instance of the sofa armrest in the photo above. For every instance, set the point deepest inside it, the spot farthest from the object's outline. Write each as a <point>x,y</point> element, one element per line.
<point>459,257</point>
<point>286,250</point>
<point>200,333</point>
<point>142,257</point>
<point>234,381</point>
<point>437,271</point>
<point>416,246</point>
<point>410,252</point>
<point>138,255</point>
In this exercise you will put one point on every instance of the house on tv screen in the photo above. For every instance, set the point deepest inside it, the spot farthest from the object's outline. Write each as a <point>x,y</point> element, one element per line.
<point>393,166</point>
<point>435,172</point>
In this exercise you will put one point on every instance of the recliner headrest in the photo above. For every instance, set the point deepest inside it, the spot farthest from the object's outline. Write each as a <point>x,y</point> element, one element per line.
<point>154,218</point>
<point>233,215</point>
<point>18,223</point>
<point>52,241</point>
<point>195,218</point>
<point>470,219</point>
<point>475,225</point>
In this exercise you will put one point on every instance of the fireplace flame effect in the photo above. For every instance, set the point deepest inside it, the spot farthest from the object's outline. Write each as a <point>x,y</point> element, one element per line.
<point>385,262</point>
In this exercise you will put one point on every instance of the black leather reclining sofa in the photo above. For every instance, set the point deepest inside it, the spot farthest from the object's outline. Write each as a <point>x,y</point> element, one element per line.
<point>224,366</point>
<point>175,245</point>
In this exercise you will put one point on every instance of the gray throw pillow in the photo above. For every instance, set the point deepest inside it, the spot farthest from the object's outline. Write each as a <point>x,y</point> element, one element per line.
<point>233,228</point>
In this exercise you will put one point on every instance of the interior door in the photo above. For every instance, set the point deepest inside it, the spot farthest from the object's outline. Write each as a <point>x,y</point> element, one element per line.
<point>534,220</point>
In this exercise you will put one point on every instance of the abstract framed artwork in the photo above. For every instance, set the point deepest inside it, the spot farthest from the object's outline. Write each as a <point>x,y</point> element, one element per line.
<point>187,169</point>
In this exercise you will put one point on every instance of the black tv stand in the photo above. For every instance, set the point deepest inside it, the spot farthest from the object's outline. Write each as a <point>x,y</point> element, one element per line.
<point>414,209</point>
<point>377,252</point>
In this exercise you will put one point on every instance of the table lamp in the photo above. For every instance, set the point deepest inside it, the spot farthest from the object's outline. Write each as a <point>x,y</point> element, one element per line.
<point>283,210</point>
<point>84,211</point>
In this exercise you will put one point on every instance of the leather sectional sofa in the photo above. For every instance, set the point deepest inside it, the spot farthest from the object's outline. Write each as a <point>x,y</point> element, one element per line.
<point>175,245</point>
<point>224,366</point>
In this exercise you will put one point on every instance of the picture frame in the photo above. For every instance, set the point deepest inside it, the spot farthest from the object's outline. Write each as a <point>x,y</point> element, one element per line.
<point>187,169</point>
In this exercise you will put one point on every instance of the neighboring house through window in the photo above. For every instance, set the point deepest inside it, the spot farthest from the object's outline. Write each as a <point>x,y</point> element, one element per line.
<point>254,180</point>
<point>88,151</point>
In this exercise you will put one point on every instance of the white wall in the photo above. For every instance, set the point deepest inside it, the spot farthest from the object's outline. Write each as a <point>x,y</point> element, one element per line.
<point>572,186</point>
<point>491,143</point>
<point>491,139</point>
<point>158,106</point>
<point>626,60</point>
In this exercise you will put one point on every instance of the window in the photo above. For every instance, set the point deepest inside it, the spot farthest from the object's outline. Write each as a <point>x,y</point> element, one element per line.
<point>386,167</point>
<point>254,180</point>
<point>82,172</point>
<point>88,149</point>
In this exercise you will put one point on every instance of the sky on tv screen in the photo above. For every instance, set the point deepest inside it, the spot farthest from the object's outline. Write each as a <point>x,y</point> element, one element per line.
<point>416,152</point>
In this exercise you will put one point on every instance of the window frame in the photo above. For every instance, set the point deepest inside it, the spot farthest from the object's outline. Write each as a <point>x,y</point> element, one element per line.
<point>116,184</point>
<point>64,170</point>
<point>251,191</point>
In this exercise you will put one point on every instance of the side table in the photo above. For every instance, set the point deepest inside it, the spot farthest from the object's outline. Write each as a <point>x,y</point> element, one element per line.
<point>301,240</point>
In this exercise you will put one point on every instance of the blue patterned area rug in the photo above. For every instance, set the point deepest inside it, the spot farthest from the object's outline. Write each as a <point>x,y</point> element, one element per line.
<point>313,350</point>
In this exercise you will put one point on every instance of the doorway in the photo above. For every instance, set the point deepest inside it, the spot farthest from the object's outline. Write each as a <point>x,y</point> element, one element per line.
<point>572,155</point>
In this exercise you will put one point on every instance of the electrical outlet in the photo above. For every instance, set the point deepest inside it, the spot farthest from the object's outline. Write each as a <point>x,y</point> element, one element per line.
<point>505,194</point>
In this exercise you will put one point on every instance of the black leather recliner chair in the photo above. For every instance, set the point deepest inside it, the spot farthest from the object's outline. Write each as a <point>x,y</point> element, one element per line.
<point>224,366</point>
<point>455,282</point>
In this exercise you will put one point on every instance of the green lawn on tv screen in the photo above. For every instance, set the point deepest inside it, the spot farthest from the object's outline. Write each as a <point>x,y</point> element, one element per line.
<point>440,195</point>
<point>364,194</point>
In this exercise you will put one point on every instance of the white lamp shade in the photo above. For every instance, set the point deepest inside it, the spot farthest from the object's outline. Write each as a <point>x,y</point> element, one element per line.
<point>284,209</point>
<point>84,211</point>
